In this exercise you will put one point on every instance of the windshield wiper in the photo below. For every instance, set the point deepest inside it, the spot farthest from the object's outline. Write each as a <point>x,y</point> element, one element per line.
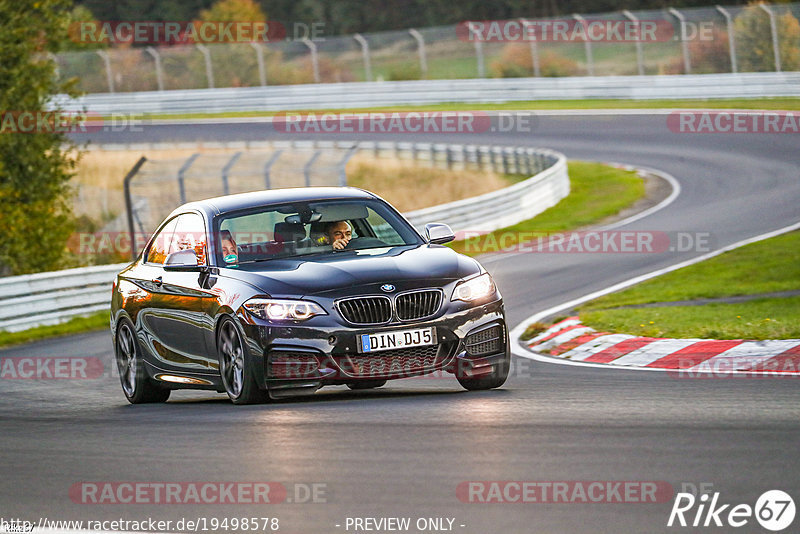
<point>258,260</point>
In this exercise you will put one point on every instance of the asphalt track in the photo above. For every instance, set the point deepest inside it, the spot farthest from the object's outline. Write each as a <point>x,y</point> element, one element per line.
<point>401,451</point>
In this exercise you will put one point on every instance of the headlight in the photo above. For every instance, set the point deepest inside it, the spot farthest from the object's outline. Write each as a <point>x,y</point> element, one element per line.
<point>283,309</point>
<point>475,288</point>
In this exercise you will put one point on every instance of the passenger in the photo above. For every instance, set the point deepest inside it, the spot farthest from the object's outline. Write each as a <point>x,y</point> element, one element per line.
<point>230,253</point>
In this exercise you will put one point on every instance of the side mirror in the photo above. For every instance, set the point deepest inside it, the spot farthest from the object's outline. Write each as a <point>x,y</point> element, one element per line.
<point>182,260</point>
<point>438,233</point>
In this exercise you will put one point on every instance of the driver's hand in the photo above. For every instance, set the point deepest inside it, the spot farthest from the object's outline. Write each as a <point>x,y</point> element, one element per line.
<point>339,244</point>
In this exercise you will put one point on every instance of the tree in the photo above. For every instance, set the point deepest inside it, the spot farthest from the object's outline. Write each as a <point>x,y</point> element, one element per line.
<point>754,40</point>
<point>707,55</point>
<point>35,168</point>
<point>77,17</point>
<point>233,11</point>
<point>235,63</point>
<point>152,10</point>
<point>516,61</point>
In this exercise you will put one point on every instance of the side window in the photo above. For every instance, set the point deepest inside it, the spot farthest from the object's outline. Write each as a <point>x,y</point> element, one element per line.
<point>253,228</point>
<point>159,248</point>
<point>190,233</point>
<point>383,230</point>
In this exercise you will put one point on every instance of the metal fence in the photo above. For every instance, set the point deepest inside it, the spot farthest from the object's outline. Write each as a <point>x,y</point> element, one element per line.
<point>154,188</point>
<point>508,206</point>
<point>755,38</point>
<point>50,298</point>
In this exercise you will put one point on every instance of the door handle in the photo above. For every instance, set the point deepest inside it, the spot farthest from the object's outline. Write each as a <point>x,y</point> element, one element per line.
<point>157,281</point>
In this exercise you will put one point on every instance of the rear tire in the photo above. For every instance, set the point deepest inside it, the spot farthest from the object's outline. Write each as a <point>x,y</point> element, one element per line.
<point>136,385</point>
<point>366,384</point>
<point>236,366</point>
<point>494,379</point>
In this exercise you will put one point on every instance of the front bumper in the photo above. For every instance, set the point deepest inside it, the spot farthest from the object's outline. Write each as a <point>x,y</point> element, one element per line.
<point>299,359</point>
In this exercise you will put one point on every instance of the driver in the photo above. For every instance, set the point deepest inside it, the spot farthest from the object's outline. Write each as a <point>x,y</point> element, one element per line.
<point>338,234</point>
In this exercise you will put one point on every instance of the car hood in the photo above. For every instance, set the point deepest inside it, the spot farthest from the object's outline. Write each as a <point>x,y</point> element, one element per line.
<point>345,272</point>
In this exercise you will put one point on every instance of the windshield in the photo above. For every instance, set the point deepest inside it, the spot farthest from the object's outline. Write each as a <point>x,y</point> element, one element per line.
<point>309,228</point>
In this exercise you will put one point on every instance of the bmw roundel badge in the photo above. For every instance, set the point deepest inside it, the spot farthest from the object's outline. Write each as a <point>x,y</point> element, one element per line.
<point>388,288</point>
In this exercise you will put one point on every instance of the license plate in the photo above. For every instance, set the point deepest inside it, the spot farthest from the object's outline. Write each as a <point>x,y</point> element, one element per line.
<point>398,339</point>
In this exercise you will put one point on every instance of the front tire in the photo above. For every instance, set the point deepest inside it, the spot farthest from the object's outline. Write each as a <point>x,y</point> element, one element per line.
<point>235,366</point>
<point>494,379</point>
<point>136,385</point>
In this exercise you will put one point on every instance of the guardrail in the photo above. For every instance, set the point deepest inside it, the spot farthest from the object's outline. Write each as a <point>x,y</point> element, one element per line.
<point>499,209</point>
<point>548,184</point>
<point>49,298</point>
<point>420,92</point>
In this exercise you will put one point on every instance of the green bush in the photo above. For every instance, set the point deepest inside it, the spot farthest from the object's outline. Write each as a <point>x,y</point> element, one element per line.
<point>754,41</point>
<point>707,56</point>
<point>516,61</point>
<point>404,71</point>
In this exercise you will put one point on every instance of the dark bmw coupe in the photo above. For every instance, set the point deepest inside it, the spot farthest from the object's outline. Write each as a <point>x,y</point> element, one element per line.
<point>278,293</point>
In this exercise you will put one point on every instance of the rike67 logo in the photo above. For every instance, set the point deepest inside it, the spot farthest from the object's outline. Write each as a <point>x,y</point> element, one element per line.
<point>774,510</point>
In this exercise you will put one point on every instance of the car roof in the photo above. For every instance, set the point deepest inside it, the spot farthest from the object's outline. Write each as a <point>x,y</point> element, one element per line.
<point>214,206</point>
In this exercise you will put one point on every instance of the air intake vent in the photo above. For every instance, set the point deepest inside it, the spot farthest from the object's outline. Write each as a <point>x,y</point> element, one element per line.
<point>398,362</point>
<point>366,310</point>
<point>487,341</point>
<point>418,304</point>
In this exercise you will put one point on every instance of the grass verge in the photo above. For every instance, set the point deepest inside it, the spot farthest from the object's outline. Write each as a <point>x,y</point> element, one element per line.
<point>533,105</point>
<point>767,266</point>
<point>76,325</point>
<point>401,182</point>
<point>597,191</point>
<point>767,318</point>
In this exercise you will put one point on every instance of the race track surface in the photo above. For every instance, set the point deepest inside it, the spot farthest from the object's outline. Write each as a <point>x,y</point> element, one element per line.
<point>402,450</point>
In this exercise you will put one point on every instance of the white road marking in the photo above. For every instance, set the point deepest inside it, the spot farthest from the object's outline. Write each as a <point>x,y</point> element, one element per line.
<point>598,344</point>
<point>553,329</point>
<point>520,328</point>
<point>745,356</point>
<point>563,338</point>
<point>653,351</point>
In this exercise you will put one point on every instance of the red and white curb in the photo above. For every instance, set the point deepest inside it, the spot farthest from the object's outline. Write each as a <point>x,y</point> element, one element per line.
<point>571,340</point>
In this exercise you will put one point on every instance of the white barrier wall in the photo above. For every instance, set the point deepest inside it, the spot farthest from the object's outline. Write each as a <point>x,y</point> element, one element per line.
<point>418,92</point>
